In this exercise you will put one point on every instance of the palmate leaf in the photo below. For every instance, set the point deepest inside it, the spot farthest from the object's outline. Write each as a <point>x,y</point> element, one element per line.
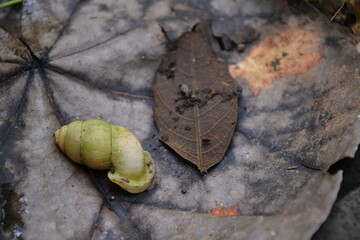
<point>89,59</point>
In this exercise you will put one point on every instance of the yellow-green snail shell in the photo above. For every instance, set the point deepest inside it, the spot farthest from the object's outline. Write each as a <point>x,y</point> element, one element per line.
<point>100,145</point>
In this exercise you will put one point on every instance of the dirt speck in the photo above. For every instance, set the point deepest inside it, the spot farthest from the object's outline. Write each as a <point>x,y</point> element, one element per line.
<point>165,138</point>
<point>125,180</point>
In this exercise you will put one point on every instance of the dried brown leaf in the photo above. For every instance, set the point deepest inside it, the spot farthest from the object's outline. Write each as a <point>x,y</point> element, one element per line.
<point>196,101</point>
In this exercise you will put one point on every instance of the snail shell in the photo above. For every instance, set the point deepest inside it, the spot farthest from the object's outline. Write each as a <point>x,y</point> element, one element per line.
<point>100,145</point>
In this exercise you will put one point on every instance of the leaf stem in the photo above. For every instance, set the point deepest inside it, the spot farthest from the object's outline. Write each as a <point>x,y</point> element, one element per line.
<point>9,3</point>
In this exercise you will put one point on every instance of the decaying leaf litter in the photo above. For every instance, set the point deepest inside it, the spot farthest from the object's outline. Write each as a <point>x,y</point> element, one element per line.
<point>85,47</point>
<point>196,100</point>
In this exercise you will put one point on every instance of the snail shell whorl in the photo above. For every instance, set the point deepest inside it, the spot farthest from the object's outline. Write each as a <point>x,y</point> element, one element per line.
<point>100,145</point>
<point>86,142</point>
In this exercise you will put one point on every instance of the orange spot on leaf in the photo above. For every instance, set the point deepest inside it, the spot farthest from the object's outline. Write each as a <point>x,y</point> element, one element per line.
<point>225,212</point>
<point>292,51</point>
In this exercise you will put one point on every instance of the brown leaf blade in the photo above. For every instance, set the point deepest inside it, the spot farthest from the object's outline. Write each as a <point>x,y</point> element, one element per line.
<point>196,101</point>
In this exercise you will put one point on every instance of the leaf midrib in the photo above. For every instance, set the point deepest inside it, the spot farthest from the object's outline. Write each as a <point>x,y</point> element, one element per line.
<point>196,108</point>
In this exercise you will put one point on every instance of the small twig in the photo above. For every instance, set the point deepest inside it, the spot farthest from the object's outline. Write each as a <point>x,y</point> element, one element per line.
<point>9,3</point>
<point>292,167</point>
<point>343,3</point>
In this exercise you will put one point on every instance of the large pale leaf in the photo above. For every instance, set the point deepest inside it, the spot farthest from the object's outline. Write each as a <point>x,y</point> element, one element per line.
<point>88,59</point>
